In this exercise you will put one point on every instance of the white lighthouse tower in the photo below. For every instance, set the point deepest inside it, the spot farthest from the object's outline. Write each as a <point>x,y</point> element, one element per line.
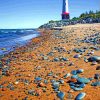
<point>65,12</point>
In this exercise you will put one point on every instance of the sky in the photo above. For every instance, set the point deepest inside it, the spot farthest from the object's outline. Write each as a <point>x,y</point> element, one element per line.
<point>33,13</point>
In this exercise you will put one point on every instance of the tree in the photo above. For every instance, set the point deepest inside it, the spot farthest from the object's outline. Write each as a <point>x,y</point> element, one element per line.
<point>51,21</point>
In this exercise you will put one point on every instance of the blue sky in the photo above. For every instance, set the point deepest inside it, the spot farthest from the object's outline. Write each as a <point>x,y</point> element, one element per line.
<point>33,13</point>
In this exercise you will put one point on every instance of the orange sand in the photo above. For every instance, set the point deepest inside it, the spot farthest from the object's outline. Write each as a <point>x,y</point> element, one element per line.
<point>25,61</point>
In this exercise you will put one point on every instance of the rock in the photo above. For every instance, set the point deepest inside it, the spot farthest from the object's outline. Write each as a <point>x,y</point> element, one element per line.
<point>80,70</point>
<point>71,64</point>
<point>85,59</point>
<point>98,68</point>
<point>45,58</point>
<point>52,81</point>
<point>16,82</point>
<point>46,81</point>
<point>75,76</point>
<point>74,72</point>
<point>61,95</point>
<point>76,88</point>
<point>56,85</point>
<point>77,56</point>
<point>31,92</point>
<point>94,63</point>
<point>50,54</point>
<point>94,58</point>
<point>1,65</point>
<point>41,84</point>
<point>67,75</point>
<point>97,76</point>
<point>82,85</point>
<point>38,92</point>
<point>80,96</point>
<point>61,81</point>
<point>37,79</point>
<point>11,87</point>
<point>91,78</point>
<point>96,83</point>
<point>1,86</point>
<point>83,80</point>
<point>77,50</point>
<point>56,59</point>
<point>3,89</point>
<point>44,89</point>
<point>64,59</point>
<point>50,74</point>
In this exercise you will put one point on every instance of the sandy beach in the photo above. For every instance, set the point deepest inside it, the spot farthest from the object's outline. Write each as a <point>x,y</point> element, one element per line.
<point>44,68</point>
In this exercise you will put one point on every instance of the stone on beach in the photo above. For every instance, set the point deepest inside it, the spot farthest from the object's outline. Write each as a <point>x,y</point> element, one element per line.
<point>96,83</point>
<point>49,69</point>
<point>80,96</point>
<point>83,80</point>
<point>98,68</point>
<point>77,56</point>
<point>55,85</point>
<point>61,95</point>
<point>94,58</point>
<point>97,76</point>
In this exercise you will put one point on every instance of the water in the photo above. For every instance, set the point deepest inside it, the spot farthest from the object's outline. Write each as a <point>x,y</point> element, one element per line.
<point>11,38</point>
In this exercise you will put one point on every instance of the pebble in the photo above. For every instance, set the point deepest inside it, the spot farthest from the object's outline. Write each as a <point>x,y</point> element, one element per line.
<point>77,56</point>
<point>96,83</point>
<point>98,68</point>
<point>64,59</point>
<point>45,58</point>
<point>85,59</point>
<point>97,76</point>
<point>61,95</point>
<point>50,74</point>
<point>61,81</point>
<point>80,96</point>
<point>16,82</point>
<point>56,59</point>
<point>94,58</point>
<point>83,80</point>
<point>77,50</point>
<point>38,79</point>
<point>52,81</point>
<point>31,92</point>
<point>50,54</point>
<point>76,88</point>
<point>46,81</point>
<point>80,70</point>
<point>91,78</point>
<point>74,72</point>
<point>75,76</point>
<point>67,75</point>
<point>1,86</point>
<point>41,84</point>
<point>71,64</point>
<point>56,85</point>
<point>94,63</point>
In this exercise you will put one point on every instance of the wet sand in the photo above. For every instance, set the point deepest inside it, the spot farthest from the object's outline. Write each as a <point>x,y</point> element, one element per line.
<point>32,68</point>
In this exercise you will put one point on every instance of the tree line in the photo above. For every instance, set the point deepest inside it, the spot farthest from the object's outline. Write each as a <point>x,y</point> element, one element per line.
<point>90,14</point>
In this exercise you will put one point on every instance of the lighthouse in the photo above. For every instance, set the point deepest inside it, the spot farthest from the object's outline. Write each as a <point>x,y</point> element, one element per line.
<point>65,12</point>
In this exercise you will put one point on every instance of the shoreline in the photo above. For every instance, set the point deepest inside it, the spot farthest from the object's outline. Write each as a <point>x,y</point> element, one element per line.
<point>31,71</point>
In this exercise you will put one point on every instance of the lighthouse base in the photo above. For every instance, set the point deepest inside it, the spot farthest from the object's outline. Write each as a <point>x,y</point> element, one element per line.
<point>65,16</point>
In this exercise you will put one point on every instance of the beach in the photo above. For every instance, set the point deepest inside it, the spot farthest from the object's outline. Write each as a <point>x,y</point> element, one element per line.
<point>54,66</point>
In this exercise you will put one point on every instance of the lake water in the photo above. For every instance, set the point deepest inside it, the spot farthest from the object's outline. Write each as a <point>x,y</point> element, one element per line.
<point>10,38</point>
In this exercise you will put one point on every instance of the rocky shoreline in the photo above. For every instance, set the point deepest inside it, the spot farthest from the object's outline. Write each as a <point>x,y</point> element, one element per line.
<point>60,64</point>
